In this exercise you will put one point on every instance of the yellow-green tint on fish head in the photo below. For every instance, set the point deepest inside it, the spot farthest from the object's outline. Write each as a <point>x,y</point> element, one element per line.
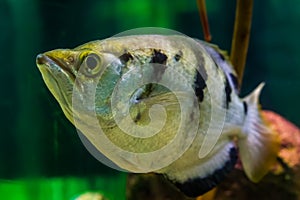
<point>60,69</point>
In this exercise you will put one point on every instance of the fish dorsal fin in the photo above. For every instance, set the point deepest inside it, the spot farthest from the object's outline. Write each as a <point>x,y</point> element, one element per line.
<point>259,148</point>
<point>222,53</point>
<point>221,58</point>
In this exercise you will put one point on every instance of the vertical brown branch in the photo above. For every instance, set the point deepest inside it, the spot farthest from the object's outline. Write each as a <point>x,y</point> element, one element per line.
<point>204,20</point>
<point>241,35</point>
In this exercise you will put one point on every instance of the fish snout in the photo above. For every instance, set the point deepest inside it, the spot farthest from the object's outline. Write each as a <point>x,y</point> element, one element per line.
<point>41,59</point>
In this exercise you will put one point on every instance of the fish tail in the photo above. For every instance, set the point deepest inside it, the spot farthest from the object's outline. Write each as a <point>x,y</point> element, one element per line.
<point>260,146</point>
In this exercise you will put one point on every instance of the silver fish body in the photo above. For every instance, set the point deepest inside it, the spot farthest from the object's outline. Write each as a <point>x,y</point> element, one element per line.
<point>164,104</point>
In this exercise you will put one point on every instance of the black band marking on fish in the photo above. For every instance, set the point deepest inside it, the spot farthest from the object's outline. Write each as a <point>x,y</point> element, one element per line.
<point>234,81</point>
<point>178,56</point>
<point>200,84</point>
<point>158,57</point>
<point>199,186</point>
<point>124,58</point>
<point>147,91</point>
<point>245,107</point>
<point>137,117</point>
<point>228,91</point>
<point>221,56</point>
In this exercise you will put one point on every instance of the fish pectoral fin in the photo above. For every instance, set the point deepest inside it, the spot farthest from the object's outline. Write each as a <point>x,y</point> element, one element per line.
<point>259,148</point>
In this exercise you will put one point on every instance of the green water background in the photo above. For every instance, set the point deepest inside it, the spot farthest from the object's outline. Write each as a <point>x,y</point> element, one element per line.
<point>39,148</point>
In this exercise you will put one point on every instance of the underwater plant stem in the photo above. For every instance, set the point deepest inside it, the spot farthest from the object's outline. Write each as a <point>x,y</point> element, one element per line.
<point>241,35</point>
<point>204,20</point>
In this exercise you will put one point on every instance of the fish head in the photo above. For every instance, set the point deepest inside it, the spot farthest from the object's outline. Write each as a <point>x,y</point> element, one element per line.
<point>121,95</point>
<point>75,74</point>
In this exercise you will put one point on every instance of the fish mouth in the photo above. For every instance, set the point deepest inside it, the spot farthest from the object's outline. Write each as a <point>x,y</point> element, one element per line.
<point>54,64</point>
<point>56,77</point>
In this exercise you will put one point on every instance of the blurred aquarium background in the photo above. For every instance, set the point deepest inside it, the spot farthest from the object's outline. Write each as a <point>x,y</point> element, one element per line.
<point>41,155</point>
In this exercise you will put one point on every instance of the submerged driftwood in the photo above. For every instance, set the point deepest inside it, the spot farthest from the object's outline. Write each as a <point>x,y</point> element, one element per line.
<point>282,182</point>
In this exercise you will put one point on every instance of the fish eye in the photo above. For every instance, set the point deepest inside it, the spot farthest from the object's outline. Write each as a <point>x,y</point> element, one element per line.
<point>92,63</point>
